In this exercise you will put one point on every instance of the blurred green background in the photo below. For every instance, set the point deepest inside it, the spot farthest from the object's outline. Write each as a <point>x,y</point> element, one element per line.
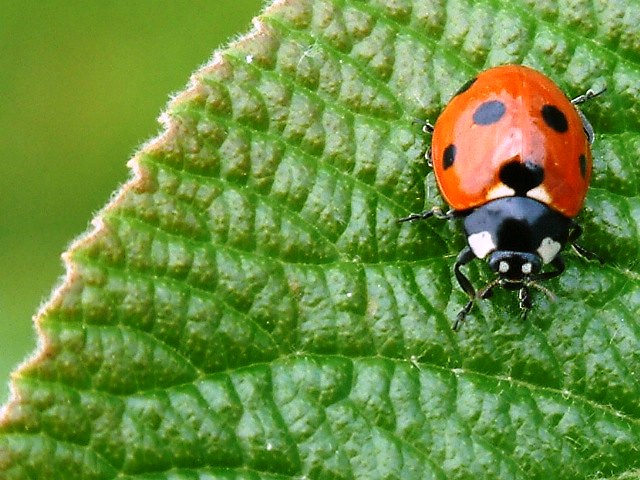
<point>81,86</point>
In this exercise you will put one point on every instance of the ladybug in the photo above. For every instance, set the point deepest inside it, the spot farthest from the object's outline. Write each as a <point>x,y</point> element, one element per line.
<point>512,157</point>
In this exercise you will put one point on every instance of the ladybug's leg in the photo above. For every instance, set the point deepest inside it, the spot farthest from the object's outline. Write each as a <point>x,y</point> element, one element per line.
<point>583,252</point>
<point>426,126</point>
<point>588,95</point>
<point>428,158</point>
<point>576,231</point>
<point>434,212</point>
<point>464,257</point>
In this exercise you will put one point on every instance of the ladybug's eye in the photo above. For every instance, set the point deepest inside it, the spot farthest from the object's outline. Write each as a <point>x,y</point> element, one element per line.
<point>554,118</point>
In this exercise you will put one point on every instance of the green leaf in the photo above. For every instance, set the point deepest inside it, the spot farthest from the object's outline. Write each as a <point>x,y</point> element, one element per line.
<point>248,307</point>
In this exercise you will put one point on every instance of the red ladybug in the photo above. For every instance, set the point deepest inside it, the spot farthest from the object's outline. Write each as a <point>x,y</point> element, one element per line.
<point>512,156</point>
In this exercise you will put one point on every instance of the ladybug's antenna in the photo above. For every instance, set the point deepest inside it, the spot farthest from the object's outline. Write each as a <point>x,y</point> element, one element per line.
<point>485,291</point>
<point>550,295</point>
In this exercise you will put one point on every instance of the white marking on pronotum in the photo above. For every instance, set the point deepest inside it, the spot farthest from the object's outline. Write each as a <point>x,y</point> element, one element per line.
<point>540,193</point>
<point>500,191</point>
<point>503,267</point>
<point>548,249</point>
<point>526,268</point>
<point>481,244</point>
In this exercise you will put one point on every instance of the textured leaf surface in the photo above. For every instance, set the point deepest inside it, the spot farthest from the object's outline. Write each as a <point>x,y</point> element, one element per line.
<point>247,306</point>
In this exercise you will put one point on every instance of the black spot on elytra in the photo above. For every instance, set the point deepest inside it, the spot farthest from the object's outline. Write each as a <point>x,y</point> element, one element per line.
<point>466,86</point>
<point>489,112</point>
<point>583,165</point>
<point>448,156</point>
<point>554,118</point>
<point>521,177</point>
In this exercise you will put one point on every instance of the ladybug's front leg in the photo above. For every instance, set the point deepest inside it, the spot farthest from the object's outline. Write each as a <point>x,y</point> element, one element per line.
<point>465,256</point>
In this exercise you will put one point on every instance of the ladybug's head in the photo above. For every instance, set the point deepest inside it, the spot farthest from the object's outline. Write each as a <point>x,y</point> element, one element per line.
<point>517,271</point>
<point>517,236</point>
<point>514,268</point>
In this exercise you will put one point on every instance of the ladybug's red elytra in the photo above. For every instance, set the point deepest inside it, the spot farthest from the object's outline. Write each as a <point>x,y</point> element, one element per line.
<point>512,156</point>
